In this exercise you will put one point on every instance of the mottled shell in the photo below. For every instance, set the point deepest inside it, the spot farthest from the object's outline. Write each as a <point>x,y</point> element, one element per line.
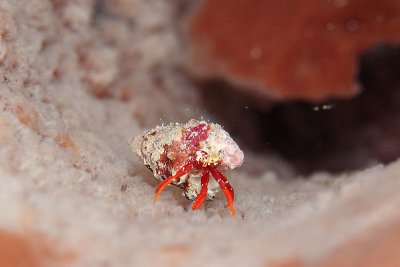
<point>165,149</point>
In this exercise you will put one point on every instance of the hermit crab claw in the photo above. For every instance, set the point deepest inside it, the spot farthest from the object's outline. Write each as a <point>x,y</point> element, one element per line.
<point>225,186</point>
<point>205,178</point>
<point>223,183</point>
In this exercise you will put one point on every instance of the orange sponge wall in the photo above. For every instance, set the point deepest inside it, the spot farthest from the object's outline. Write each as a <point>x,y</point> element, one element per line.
<point>287,49</point>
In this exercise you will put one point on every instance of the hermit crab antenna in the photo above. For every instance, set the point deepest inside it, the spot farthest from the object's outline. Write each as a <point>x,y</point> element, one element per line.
<point>204,188</point>
<point>225,186</point>
<point>182,171</point>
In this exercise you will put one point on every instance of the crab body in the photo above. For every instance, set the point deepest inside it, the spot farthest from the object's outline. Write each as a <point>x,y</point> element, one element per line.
<point>186,155</point>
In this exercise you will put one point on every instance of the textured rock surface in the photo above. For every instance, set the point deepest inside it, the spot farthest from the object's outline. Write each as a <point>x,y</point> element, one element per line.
<point>289,49</point>
<point>77,81</point>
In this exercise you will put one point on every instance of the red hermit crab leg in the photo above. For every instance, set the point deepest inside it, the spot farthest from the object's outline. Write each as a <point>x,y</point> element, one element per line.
<point>185,169</point>
<point>204,188</point>
<point>225,186</point>
<point>226,182</point>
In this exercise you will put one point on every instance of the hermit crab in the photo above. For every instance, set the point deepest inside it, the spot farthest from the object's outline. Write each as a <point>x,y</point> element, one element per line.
<point>186,155</point>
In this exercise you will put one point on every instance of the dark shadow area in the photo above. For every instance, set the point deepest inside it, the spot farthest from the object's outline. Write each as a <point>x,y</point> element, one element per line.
<point>334,136</point>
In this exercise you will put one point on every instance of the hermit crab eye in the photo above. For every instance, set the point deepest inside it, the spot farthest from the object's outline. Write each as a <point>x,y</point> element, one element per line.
<point>190,152</point>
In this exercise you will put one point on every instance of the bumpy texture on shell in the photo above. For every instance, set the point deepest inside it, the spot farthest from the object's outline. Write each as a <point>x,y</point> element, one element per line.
<point>165,149</point>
